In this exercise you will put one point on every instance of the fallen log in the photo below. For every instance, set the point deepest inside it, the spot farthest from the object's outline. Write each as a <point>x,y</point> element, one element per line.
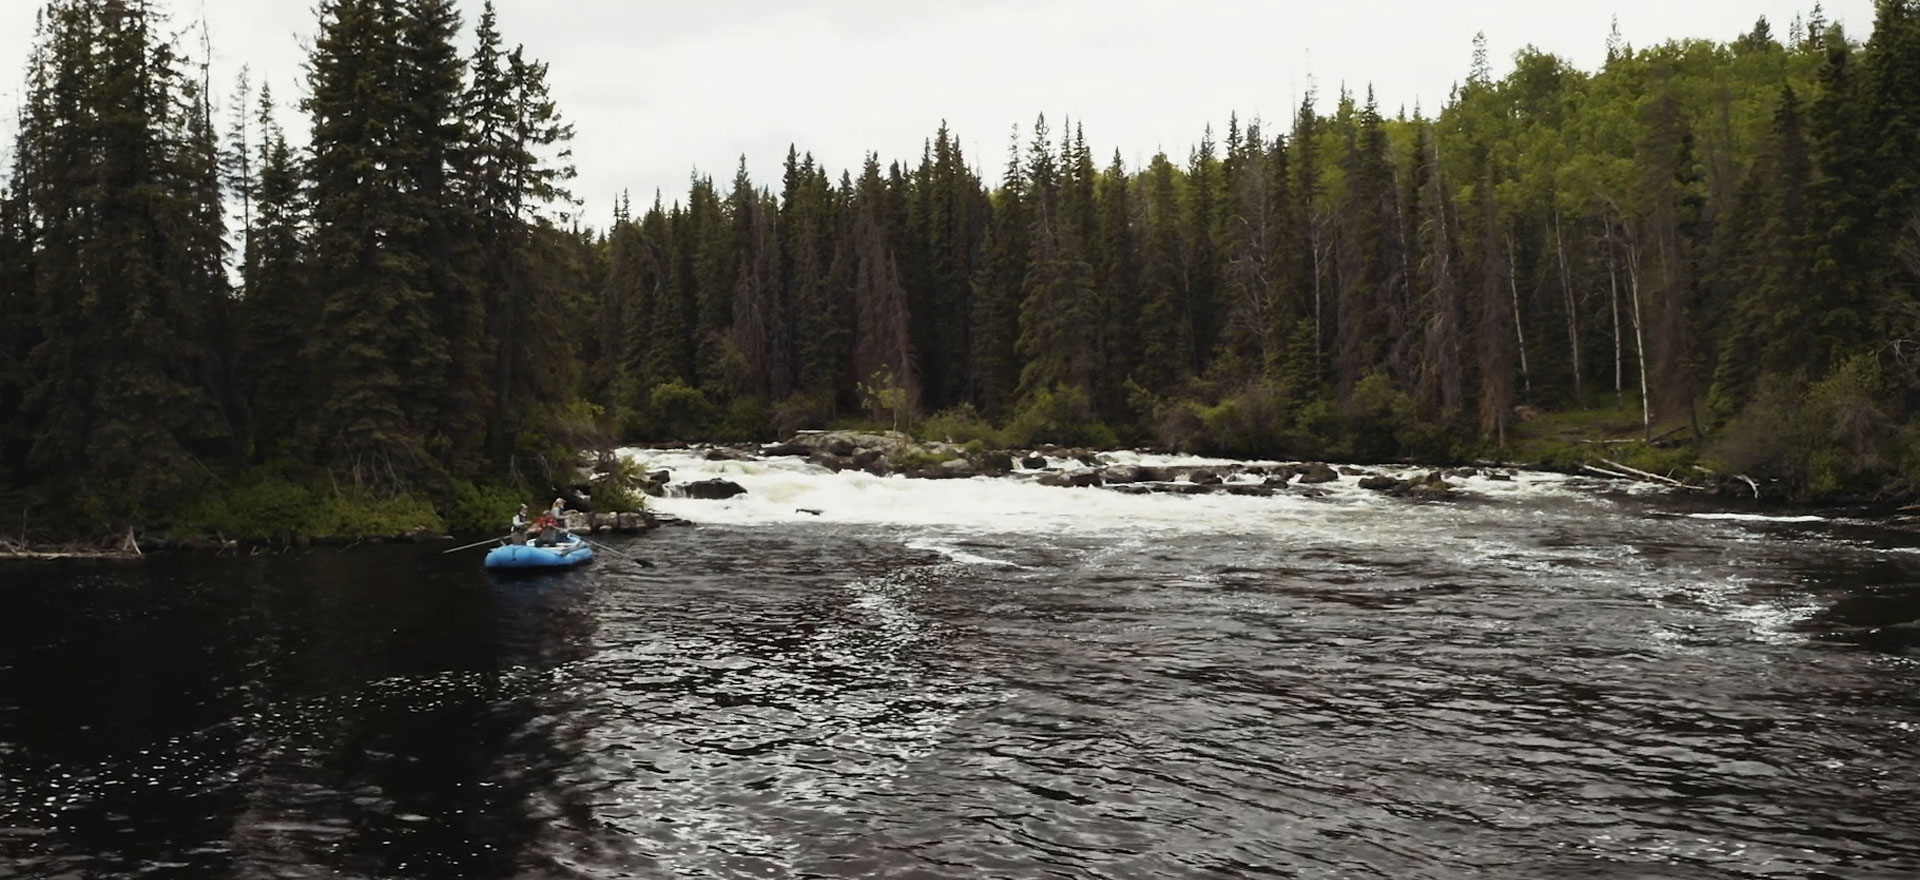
<point>1606,473</point>
<point>16,555</point>
<point>1652,477</point>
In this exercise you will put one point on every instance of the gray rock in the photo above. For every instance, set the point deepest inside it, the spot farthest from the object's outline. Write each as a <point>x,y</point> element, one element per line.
<point>714,490</point>
<point>1204,477</point>
<point>993,464</point>
<point>1314,474</point>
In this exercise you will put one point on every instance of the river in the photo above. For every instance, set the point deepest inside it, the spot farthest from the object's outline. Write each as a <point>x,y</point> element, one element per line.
<point>841,675</point>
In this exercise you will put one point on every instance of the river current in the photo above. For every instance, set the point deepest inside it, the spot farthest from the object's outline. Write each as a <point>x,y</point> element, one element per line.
<point>842,675</point>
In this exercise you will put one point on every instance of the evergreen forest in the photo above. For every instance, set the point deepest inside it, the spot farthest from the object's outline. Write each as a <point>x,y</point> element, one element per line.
<point>1706,252</point>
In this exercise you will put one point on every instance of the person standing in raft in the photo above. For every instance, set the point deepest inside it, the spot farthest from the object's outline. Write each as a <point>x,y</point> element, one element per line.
<point>517,530</point>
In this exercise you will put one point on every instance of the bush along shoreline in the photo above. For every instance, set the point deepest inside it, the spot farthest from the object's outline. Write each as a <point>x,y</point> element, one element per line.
<point>258,510</point>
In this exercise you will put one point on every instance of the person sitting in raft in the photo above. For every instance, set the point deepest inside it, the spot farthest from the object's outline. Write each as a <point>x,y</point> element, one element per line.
<point>552,525</point>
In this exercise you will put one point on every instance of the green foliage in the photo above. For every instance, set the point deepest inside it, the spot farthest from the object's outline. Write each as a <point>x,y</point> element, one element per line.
<point>916,458</point>
<point>960,424</point>
<point>1841,436</point>
<point>261,506</point>
<point>483,507</point>
<point>678,410</point>
<point>804,410</point>
<point>885,396</point>
<point>617,488</point>
<point>1062,416</point>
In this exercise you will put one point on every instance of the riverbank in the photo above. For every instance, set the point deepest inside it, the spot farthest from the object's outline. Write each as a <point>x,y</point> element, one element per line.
<point>263,514</point>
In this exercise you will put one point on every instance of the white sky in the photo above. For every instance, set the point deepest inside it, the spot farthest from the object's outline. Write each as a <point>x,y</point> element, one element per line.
<point>659,88</point>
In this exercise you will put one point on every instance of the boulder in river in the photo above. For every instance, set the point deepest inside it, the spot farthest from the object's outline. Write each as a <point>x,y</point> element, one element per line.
<point>1034,462</point>
<point>992,464</point>
<point>1317,473</point>
<point>714,490</point>
<point>1204,477</point>
<point>1381,484</point>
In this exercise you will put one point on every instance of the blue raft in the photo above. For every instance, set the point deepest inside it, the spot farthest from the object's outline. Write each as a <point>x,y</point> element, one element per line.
<point>573,551</point>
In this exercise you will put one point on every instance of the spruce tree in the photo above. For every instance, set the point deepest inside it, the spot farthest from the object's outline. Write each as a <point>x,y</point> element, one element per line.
<point>277,309</point>
<point>1166,329</point>
<point>1117,283</point>
<point>116,162</point>
<point>996,312</point>
<point>378,346</point>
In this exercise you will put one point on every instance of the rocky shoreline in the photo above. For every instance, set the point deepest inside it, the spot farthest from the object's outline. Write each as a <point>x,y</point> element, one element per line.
<point>890,454</point>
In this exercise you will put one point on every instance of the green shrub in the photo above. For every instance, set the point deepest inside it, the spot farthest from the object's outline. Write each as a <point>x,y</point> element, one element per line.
<point>915,458</point>
<point>618,489</point>
<point>746,419</point>
<point>803,411</point>
<point>485,507</point>
<point>259,506</point>
<point>960,424</point>
<point>678,411</point>
<point>1062,416</point>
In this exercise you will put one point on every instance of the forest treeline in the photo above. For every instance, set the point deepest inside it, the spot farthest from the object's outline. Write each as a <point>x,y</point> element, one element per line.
<point>1722,238</point>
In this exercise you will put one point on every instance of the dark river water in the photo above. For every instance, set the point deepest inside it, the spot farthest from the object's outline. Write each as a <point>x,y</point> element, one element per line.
<point>987,681</point>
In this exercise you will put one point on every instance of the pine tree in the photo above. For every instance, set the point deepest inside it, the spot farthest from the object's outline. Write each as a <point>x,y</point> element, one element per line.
<point>1059,311</point>
<point>1200,266</point>
<point>379,346</point>
<point>1117,279</point>
<point>883,358</point>
<point>1368,260</point>
<point>1165,329</point>
<point>811,225</point>
<point>278,311</point>
<point>996,312</point>
<point>1440,320</point>
<point>511,171</point>
<point>116,160</point>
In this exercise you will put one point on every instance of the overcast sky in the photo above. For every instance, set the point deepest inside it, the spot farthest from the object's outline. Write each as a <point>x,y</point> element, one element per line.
<point>657,89</point>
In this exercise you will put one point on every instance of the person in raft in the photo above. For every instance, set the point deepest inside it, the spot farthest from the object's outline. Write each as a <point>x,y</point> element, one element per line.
<point>517,529</point>
<point>552,525</point>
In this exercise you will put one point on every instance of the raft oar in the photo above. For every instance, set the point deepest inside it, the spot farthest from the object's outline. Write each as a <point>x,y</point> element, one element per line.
<point>472,545</point>
<point>633,559</point>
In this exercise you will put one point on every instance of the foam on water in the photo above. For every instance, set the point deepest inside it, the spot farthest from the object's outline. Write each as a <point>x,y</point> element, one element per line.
<point>1756,517</point>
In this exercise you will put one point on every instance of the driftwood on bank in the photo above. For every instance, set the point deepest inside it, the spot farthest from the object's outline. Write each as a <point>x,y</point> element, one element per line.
<point>10,553</point>
<point>1651,477</point>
